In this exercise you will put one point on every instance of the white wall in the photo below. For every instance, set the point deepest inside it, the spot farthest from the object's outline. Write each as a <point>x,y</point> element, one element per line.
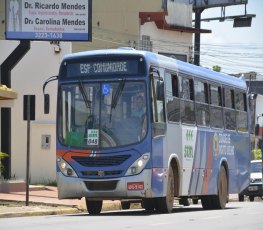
<point>168,41</point>
<point>259,108</point>
<point>27,78</point>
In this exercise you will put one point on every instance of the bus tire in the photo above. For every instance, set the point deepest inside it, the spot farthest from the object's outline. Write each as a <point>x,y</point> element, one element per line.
<point>220,200</point>
<point>207,202</point>
<point>195,200</point>
<point>165,204</point>
<point>241,197</point>
<point>94,206</point>
<point>148,204</point>
<point>184,201</point>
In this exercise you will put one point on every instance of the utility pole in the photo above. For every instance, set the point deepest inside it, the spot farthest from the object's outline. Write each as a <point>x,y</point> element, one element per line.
<point>197,41</point>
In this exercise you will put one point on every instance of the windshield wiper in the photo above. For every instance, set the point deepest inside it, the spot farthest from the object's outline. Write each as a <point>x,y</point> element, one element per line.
<point>84,94</point>
<point>116,96</point>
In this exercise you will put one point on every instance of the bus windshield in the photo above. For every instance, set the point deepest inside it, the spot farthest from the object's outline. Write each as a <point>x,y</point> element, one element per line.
<point>102,115</point>
<point>256,166</point>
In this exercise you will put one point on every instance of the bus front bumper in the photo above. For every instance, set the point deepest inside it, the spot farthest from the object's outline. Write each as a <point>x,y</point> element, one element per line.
<point>138,186</point>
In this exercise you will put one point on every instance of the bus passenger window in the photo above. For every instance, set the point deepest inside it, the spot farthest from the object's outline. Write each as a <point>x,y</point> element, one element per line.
<point>229,110</point>
<point>229,98</point>
<point>241,112</point>
<point>201,103</point>
<point>173,100</point>
<point>187,91</point>
<point>216,111</point>
<point>187,103</point>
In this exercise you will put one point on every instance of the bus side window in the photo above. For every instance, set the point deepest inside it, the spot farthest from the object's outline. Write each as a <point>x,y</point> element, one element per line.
<point>216,110</point>
<point>241,111</point>
<point>158,98</point>
<point>187,104</point>
<point>229,110</point>
<point>174,82</point>
<point>173,100</point>
<point>158,105</point>
<point>201,103</point>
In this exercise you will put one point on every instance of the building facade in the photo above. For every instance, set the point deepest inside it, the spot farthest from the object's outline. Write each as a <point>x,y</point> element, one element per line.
<point>141,24</point>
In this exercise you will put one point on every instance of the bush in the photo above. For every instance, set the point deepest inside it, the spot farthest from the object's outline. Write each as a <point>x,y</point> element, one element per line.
<point>257,155</point>
<point>2,156</point>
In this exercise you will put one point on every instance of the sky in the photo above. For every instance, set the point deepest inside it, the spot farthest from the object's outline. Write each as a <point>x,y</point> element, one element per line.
<point>235,50</point>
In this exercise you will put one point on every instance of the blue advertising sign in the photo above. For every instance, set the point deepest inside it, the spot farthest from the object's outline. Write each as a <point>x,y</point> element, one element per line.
<point>62,20</point>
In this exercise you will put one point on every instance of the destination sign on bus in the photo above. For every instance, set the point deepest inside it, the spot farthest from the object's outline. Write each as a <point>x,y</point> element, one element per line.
<point>103,67</point>
<point>122,67</point>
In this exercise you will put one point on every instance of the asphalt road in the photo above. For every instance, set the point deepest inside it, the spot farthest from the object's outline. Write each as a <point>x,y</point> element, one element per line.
<point>237,215</point>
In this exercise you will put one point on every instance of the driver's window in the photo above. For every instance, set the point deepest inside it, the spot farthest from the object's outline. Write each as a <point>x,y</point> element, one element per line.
<point>158,110</point>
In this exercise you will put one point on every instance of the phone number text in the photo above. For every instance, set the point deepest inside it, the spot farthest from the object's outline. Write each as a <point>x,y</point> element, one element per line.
<point>40,35</point>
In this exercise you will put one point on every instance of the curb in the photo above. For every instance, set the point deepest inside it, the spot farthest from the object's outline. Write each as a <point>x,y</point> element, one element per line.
<point>40,208</point>
<point>39,212</point>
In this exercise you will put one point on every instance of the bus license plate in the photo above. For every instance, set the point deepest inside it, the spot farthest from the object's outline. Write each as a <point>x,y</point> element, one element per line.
<point>135,185</point>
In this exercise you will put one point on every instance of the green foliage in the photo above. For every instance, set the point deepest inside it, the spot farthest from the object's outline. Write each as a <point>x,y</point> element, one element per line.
<point>257,155</point>
<point>217,68</point>
<point>2,156</point>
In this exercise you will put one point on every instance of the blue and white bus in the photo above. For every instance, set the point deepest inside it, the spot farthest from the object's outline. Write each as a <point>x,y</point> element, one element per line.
<point>138,125</point>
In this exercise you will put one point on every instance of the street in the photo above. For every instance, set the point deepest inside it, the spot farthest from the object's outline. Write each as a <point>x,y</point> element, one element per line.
<point>237,215</point>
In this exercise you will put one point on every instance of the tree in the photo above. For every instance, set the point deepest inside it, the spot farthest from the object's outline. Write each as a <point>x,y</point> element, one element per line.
<point>217,68</point>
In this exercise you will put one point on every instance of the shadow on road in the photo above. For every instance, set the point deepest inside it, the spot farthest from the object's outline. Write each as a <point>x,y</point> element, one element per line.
<point>142,212</point>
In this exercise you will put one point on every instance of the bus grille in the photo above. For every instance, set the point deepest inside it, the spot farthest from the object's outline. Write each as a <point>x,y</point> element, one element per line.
<point>100,161</point>
<point>99,173</point>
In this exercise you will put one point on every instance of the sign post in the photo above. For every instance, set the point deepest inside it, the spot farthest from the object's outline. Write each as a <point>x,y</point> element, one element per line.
<point>29,114</point>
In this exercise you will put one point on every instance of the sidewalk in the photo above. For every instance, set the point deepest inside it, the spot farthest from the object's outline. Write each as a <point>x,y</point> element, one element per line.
<point>43,201</point>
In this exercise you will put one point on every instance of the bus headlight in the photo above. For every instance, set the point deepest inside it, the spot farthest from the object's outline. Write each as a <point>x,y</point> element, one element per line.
<point>138,165</point>
<point>65,168</point>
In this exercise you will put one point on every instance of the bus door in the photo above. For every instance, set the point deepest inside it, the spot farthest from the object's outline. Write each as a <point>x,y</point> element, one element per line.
<point>159,158</point>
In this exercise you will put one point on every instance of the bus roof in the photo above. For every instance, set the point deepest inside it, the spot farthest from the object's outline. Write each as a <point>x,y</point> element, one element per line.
<point>169,63</point>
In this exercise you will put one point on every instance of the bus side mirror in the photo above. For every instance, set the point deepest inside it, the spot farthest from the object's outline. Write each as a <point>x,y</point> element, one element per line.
<point>46,103</point>
<point>256,129</point>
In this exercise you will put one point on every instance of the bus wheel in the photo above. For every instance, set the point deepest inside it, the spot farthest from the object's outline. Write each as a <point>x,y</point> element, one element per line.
<point>222,198</point>
<point>206,202</point>
<point>251,198</point>
<point>94,206</point>
<point>195,200</point>
<point>218,201</point>
<point>125,205</point>
<point>165,204</point>
<point>241,197</point>
<point>184,201</point>
<point>148,204</point>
